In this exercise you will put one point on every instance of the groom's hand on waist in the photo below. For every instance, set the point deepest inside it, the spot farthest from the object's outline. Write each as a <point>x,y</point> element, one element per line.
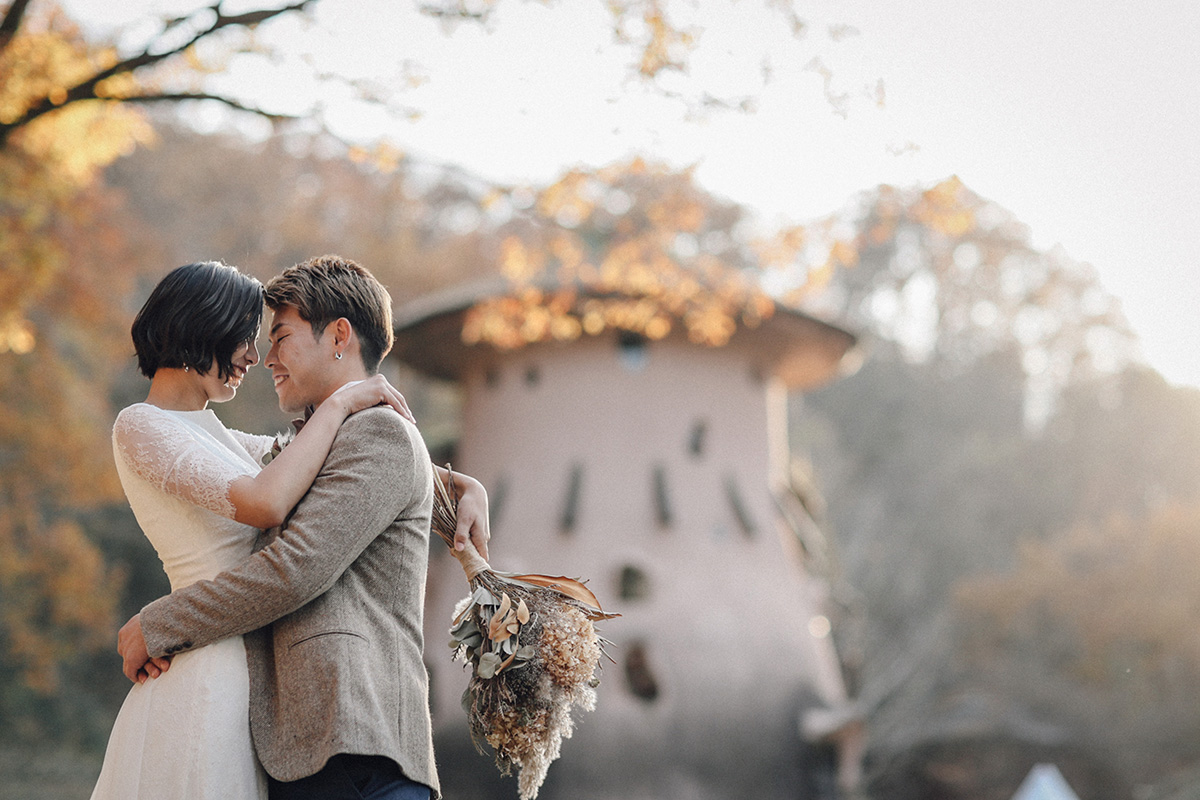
<point>131,644</point>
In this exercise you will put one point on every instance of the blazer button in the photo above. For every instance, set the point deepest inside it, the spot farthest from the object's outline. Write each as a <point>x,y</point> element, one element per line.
<point>185,645</point>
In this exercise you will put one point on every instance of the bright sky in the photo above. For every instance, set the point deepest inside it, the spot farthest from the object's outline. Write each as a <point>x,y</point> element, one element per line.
<point>1082,117</point>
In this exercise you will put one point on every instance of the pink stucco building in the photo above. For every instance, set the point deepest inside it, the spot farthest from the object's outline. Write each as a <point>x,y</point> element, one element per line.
<point>655,469</point>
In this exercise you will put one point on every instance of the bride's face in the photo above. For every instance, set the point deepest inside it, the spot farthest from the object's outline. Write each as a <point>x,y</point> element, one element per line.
<point>220,391</point>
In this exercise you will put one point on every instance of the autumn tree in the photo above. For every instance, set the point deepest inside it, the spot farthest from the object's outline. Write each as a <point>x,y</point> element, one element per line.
<point>951,278</point>
<point>941,454</point>
<point>108,77</point>
<point>1092,632</point>
<point>634,247</point>
<point>168,65</point>
<point>57,348</point>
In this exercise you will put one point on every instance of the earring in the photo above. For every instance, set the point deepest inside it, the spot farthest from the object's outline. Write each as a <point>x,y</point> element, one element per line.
<point>338,356</point>
<point>186,368</point>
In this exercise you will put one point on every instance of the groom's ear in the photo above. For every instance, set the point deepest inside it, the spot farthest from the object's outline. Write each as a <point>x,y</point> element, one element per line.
<point>342,332</point>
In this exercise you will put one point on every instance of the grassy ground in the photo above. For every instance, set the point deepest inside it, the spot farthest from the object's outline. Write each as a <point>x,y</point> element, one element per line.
<point>31,773</point>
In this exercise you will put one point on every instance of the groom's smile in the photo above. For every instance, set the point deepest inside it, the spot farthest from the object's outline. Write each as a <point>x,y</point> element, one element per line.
<point>299,361</point>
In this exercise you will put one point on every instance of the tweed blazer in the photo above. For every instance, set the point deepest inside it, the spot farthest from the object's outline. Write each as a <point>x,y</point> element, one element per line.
<point>332,606</point>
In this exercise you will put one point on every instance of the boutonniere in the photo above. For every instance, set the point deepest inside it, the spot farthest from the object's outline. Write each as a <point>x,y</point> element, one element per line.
<point>282,440</point>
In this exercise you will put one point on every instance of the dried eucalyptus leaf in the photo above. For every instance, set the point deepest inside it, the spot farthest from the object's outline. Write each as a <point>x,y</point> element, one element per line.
<point>494,626</point>
<point>466,627</point>
<point>488,664</point>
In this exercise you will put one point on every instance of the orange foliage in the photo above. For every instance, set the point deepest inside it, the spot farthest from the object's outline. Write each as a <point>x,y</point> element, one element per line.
<point>1117,606</point>
<point>62,272</point>
<point>47,163</point>
<point>633,247</point>
<point>663,45</point>
<point>945,208</point>
<point>57,597</point>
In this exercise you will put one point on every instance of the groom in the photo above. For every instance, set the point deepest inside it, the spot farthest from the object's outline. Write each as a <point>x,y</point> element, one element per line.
<point>332,605</point>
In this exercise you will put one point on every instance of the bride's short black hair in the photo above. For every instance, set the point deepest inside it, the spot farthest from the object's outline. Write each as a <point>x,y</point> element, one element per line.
<point>196,317</point>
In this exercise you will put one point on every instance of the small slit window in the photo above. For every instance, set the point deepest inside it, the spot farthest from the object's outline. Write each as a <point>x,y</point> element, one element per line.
<point>570,511</point>
<point>662,497</point>
<point>638,675</point>
<point>632,351</point>
<point>698,438</point>
<point>737,504</point>
<point>634,583</point>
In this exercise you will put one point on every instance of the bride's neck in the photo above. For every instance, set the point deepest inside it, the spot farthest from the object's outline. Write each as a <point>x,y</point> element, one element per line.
<point>174,390</point>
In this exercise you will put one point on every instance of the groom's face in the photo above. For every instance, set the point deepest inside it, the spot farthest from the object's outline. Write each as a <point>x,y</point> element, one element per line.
<point>298,360</point>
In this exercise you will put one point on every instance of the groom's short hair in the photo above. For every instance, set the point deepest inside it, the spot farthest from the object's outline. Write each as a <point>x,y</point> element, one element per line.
<point>329,287</point>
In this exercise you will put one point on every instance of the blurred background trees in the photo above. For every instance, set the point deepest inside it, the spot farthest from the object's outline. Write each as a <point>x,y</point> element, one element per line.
<point>64,248</point>
<point>997,474</point>
<point>1012,499</point>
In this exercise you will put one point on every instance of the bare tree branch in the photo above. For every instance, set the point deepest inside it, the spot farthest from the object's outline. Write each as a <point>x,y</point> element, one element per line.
<point>176,97</point>
<point>11,22</point>
<point>86,89</point>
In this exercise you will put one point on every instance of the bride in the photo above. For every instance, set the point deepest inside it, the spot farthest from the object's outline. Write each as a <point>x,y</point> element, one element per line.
<point>201,494</point>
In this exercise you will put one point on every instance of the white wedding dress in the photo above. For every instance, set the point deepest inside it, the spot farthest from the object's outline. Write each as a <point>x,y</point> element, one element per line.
<point>186,734</point>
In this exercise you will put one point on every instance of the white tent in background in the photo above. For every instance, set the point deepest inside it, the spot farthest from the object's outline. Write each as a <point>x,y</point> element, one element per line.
<point>1045,782</point>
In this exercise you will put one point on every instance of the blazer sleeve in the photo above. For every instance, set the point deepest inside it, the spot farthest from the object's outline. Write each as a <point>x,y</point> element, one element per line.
<point>367,482</point>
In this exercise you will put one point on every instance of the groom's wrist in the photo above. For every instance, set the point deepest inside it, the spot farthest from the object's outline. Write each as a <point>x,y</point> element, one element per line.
<point>155,631</point>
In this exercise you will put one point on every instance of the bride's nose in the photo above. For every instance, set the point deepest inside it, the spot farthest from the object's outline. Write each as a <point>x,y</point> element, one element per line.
<point>252,354</point>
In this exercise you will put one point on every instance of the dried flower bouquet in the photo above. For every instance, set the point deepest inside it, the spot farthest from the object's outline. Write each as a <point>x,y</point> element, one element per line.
<point>533,652</point>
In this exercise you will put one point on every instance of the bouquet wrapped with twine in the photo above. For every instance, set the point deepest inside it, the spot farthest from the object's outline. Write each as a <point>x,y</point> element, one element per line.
<point>533,652</point>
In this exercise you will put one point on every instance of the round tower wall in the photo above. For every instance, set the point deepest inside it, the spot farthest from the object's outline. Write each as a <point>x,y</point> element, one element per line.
<point>648,469</point>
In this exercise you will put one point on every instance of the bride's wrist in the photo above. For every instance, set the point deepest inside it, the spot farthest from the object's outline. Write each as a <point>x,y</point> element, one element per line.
<point>335,406</point>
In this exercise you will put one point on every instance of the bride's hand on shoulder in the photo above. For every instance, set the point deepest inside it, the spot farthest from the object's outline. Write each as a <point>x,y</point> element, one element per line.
<point>374,391</point>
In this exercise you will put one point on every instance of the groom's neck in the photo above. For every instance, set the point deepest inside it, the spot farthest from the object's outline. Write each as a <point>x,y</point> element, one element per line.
<point>339,378</point>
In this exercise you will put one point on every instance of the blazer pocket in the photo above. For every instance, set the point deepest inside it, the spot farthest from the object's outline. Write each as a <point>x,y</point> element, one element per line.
<point>323,634</point>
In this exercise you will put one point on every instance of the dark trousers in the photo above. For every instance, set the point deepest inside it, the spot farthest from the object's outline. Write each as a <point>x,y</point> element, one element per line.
<point>352,777</point>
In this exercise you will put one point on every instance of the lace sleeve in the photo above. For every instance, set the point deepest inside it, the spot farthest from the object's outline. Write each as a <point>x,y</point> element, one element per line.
<point>256,446</point>
<point>165,453</point>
